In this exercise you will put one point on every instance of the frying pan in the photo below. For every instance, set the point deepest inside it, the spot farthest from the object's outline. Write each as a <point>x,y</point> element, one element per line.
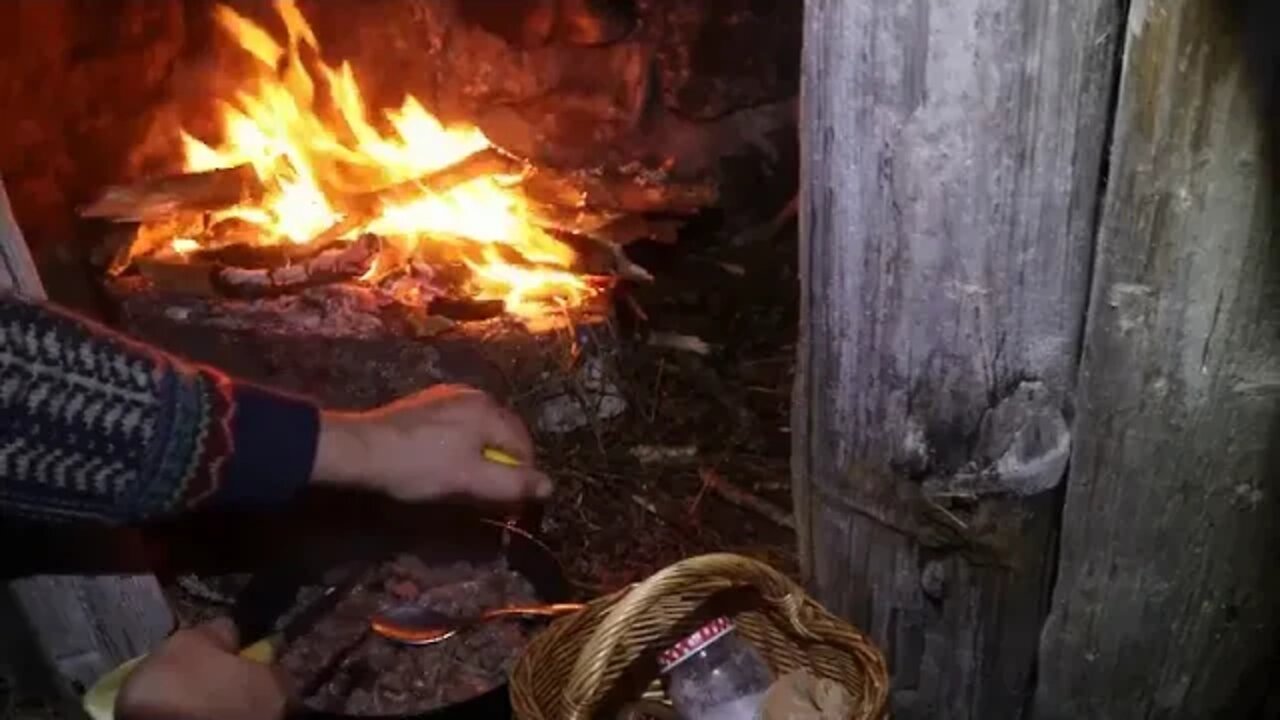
<point>308,548</point>
<point>485,541</point>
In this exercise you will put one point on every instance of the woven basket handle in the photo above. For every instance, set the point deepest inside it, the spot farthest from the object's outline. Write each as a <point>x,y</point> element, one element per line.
<point>648,612</point>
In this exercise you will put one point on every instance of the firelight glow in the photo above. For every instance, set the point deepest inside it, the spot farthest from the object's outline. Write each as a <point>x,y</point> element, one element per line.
<point>308,161</point>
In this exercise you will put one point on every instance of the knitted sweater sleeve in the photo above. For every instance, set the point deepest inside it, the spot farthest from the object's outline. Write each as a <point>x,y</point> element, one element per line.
<point>97,428</point>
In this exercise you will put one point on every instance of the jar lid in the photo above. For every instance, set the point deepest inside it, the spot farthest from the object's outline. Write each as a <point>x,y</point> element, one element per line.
<point>689,646</point>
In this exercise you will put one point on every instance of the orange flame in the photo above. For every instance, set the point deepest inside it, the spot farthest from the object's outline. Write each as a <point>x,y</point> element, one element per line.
<point>308,161</point>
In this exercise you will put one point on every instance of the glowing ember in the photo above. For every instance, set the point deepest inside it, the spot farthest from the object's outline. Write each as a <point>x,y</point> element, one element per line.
<point>314,163</point>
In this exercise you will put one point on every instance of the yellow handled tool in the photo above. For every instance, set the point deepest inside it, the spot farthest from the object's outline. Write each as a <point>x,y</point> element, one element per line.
<point>100,701</point>
<point>500,456</point>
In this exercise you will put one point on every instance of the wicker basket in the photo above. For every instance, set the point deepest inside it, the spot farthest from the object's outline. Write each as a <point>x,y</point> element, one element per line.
<point>586,665</point>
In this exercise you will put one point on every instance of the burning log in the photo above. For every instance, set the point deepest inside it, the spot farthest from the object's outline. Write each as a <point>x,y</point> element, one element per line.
<point>163,197</point>
<point>250,256</point>
<point>346,261</point>
<point>348,347</point>
<point>266,272</point>
<point>179,276</point>
<point>364,208</point>
<point>489,161</point>
<point>629,194</point>
<point>466,310</point>
<point>609,227</point>
<point>124,245</point>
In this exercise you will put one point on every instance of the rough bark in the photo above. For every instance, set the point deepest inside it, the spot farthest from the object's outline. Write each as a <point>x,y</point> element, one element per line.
<point>952,153</point>
<point>82,625</point>
<point>17,269</point>
<point>1168,602</point>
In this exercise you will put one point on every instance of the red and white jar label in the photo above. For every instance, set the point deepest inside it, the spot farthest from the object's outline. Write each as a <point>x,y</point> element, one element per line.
<point>690,646</point>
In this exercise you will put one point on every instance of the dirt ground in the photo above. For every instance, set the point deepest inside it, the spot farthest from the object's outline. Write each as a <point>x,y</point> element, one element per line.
<point>721,420</point>
<point>654,484</point>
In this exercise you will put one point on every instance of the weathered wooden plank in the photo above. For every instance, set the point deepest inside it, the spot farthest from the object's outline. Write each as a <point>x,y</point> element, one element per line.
<point>952,156</point>
<point>1168,600</point>
<point>83,626</point>
<point>17,269</point>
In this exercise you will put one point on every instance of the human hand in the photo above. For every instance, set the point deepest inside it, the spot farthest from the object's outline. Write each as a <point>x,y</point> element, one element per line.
<point>198,675</point>
<point>431,445</point>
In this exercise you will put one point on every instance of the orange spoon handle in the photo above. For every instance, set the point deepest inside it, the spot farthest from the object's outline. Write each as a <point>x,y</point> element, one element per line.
<point>548,610</point>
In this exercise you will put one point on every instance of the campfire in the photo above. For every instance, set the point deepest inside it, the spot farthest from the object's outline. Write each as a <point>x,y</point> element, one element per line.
<point>310,196</point>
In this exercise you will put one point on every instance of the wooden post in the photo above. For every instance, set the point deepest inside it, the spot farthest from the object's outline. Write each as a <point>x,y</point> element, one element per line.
<point>1168,598</point>
<point>952,152</point>
<point>82,626</point>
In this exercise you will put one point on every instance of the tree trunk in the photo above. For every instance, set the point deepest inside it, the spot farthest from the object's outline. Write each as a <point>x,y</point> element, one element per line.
<point>82,626</point>
<point>1168,599</point>
<point>952,157</point>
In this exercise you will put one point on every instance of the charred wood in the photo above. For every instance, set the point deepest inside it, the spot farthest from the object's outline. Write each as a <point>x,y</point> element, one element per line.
<point>346,261</point>
<point>162,197</point>
<point>622,193</point>
<point>244,271</point>
<point>344,345</point>
<point>465,310</point>
<point>361,209</point>
<point>608,226</point>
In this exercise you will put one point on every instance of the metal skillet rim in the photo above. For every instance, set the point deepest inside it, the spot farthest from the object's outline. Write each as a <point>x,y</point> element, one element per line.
<point>494,703</point>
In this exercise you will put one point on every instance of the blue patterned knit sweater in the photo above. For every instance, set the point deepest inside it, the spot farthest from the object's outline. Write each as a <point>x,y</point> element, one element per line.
<point>96,428</point>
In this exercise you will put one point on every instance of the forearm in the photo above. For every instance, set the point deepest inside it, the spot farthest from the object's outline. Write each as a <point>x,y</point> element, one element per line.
<point>94,427</point>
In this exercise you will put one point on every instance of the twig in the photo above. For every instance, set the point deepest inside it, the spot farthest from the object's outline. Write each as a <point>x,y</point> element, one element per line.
<point>648,506</point>
<point>635,308</point>
<point>651,454</point>
<point>741,498</point>
<point>767,230</point>
<point>626,268</point>
<point>697,499</point>
<point>686,343</point>
<point>199,589</point>
<point>657,390</point>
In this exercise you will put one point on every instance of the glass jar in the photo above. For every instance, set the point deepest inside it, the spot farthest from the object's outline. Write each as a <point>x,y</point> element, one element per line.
<point>715,674</point>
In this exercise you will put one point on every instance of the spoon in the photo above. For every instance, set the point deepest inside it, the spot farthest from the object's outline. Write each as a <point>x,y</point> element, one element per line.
<point>416,625</point>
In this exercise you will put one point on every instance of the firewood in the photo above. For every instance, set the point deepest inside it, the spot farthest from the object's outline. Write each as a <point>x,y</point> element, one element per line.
<point>149,238</point>
<point>161,197</point>
<point>602,257</point>
<point>256,257</point>
<point>362,208</point>
<point>738,497</point>
<point>179,275</point>
<point>248,272</point>
<point>466,310</point>
<point>624,193</point>
<point>612,227</point>
<point>489,161</point>
<point>344,261</point>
